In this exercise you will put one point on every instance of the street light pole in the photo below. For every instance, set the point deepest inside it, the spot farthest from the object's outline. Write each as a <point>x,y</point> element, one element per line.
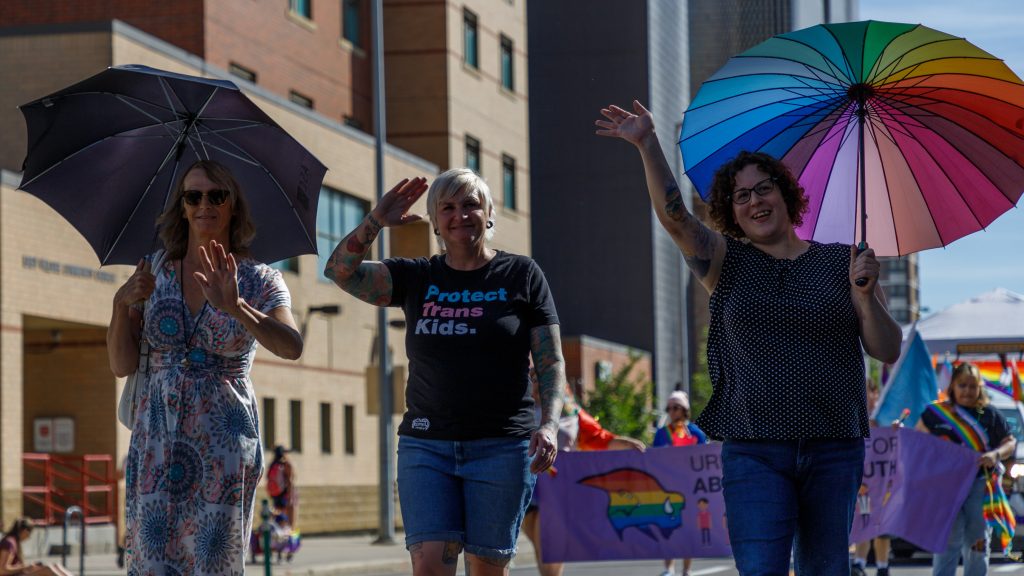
<point>386,525</point>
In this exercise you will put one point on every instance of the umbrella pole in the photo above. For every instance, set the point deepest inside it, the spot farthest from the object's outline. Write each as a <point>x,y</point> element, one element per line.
<point>862,114</point>
<point>861,119</point>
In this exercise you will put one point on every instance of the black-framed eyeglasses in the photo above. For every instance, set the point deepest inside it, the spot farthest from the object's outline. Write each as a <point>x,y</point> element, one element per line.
<point>762,188</point>
<point>214,197</point>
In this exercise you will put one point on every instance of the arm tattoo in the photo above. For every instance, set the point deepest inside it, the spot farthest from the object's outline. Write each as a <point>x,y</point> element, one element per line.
<point>546,346</point>
<point>674,206</point>
<point>346,267</point>
<point>700,261</point>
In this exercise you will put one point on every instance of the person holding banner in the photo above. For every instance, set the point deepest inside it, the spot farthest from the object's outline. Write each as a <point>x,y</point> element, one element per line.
<point>577,431</point>
<point>966,418</point>
<point>789,322</point>
<point>681,432</point>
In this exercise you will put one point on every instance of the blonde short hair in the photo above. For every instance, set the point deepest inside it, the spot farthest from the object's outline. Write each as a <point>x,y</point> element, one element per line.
<point>452,182</point>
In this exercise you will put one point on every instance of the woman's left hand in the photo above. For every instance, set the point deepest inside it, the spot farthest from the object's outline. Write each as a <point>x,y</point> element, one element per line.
<point>989,459</point>
<point>219,278</point>
<point>543,448</point>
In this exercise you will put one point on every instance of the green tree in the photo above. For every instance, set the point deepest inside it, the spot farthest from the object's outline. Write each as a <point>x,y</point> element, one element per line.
<point>622,402</point>
<point>700,381</point>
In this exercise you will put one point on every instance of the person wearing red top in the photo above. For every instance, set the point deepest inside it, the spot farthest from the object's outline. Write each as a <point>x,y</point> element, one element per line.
<point>679,431</point>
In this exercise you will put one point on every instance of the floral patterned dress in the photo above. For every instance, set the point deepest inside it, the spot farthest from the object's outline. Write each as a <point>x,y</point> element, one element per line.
<point>195,456</point>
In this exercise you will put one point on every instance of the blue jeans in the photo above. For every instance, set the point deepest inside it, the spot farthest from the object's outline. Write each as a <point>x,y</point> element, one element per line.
<point>791,497</point>
<point>474,492</point>
<point>968,528</point>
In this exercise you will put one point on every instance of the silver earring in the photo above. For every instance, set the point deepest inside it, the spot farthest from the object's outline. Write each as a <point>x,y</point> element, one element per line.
<point>437,232</point>
<point>490,224</point>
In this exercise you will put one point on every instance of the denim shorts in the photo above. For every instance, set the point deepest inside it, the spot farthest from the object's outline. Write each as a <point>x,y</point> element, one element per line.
<point>474,492</point>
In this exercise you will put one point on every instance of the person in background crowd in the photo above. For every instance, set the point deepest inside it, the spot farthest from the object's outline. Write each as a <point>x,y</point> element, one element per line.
<point>966,418</point>
<point>11,562</point>
<point>882,544</point>
<point>679,431</point>
<point>577,430</point>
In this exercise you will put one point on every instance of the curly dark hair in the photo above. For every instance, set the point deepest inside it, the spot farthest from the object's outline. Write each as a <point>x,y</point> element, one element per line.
<point>720,205</point>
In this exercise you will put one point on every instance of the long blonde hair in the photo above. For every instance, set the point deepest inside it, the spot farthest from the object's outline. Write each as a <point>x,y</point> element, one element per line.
<point>174,227</point>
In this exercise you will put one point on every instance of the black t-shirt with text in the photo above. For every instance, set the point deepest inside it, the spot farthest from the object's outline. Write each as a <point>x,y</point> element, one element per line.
<point>468,343</point>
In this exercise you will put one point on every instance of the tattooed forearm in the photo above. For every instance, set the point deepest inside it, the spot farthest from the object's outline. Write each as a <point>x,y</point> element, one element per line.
<point>347,269</point>
<point>704,247</point>
<point>546,346</point>
<point>674,206</point>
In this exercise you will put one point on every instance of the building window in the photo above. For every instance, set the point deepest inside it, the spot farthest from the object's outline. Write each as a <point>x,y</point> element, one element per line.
<point>350,429</point>
<point>472,154</point>
<point>337,214</point>
<point>303,8</point>
<point>304,101</point>
<point>352,122</point>
<point>269,423</point>
<point>508,181</point>
<point>287,265</point>
<point>507,71</point>
<point>469,39</point>
<point>351,21</point>
<point>295,417</point>
<point>325,427</point>
<point>242,72</point>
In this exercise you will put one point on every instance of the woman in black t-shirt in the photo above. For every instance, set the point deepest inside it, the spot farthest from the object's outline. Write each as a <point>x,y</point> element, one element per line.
<point>469,450</point>
<point>787,324</point>
<point>966,418</point>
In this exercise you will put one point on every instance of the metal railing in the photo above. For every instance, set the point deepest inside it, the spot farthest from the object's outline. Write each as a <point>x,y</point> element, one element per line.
<point>54,484</point>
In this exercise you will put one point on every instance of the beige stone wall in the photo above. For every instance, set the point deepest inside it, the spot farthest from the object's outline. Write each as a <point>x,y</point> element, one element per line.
<point>36,245</point>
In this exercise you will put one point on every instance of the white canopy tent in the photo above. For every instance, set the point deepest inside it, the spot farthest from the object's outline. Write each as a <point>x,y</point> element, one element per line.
<point>990,323</point>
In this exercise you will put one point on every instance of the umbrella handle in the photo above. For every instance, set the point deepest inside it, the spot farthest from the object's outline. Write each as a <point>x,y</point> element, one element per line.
<point>862,281</point>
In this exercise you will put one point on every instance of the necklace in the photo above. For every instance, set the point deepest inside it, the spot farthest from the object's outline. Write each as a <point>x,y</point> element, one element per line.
<point>192,354</point>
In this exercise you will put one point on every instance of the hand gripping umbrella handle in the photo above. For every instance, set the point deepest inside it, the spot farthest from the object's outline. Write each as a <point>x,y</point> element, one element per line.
<point>861,246</point>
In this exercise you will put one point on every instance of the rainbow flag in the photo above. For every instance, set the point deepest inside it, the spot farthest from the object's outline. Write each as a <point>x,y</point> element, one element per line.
<point>997,511</point>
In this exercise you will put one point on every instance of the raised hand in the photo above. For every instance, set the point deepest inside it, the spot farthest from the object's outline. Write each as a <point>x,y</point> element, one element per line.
<point>632,127</point>
<point>393,208</point>
<point>219,277</point>
<point>138,287</point>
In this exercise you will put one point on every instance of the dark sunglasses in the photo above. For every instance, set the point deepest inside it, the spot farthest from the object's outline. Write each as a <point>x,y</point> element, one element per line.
<point>214,197</point>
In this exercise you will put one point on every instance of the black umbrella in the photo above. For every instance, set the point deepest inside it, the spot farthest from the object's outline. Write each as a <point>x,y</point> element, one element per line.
<point>106,153</point>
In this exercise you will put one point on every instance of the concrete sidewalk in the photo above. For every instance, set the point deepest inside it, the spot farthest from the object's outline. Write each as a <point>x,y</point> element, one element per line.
<point>319,556</point>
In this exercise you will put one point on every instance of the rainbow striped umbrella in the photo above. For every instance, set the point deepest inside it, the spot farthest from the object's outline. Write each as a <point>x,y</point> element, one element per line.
<point>922,130</point>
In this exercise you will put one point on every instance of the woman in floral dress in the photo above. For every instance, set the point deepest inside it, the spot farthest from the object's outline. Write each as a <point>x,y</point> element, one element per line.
<point>195,456</point>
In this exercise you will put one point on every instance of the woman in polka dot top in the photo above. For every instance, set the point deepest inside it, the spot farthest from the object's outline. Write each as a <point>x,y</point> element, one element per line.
<point>788,328</point>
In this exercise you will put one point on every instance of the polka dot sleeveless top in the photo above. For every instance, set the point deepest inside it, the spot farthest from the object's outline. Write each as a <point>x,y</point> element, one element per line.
<point>784,350</point>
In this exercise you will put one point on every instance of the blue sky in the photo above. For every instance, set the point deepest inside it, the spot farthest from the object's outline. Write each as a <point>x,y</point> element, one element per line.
<point>991,258</point>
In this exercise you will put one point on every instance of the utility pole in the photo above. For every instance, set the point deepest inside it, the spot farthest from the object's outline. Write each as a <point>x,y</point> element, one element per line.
<point>386,525</point>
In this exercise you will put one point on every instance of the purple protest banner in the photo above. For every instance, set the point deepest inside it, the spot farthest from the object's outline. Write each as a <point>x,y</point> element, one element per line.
<point>914,484</point>
<point>667,502</point>
<point>619,505</point>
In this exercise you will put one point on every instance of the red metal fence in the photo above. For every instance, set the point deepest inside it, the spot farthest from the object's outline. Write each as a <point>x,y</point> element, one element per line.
<point>53,483</point>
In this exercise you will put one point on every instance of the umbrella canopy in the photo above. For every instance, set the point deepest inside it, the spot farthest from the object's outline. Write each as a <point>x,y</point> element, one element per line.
<point>921,130</point>
<point>107,152</point>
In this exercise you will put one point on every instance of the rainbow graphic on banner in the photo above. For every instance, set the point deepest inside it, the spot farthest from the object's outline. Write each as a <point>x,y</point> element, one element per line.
<point>637,500</point>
